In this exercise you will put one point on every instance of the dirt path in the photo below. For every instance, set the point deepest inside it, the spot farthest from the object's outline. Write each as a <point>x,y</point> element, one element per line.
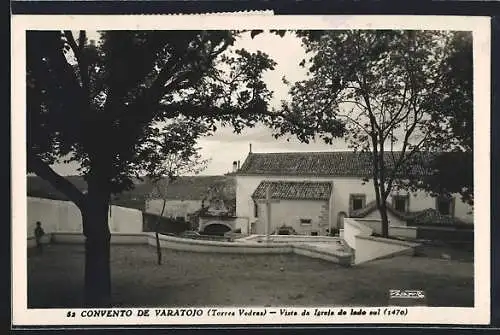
<point>199,279</point>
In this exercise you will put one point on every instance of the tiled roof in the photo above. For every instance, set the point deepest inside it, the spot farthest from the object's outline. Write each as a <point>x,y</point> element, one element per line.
<point>335,163</point>
<point>372,206</point>
<point>294,190</point>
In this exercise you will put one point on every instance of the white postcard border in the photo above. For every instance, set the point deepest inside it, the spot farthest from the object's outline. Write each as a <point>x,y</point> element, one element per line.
<point>480,26</point>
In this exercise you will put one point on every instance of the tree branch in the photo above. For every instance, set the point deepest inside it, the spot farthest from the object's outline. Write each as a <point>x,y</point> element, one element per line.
<point>394,120</point>
<point>355,122</point>
<point>158,89</point>
<point>352,102</point>
<point>82,64</point>
<point>44,171</point>
<point>403,156</point>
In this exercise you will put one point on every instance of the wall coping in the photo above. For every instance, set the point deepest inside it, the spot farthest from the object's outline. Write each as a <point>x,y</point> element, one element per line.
<point>284,237</point>
<point>216,243</point>
<point>81,233</point>
<point>403,227</point>
<point>339,254</point>
<point>388,241</point>
<point>342,256</point>
<point>367,220</point>
<point>444,228</point>
<point>356,224</point>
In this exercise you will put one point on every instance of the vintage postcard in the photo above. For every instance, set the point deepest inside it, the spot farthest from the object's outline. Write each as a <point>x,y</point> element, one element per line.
<point>250,169</point>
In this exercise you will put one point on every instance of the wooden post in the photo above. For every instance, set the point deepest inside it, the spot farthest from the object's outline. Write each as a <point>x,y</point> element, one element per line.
<point>268,212</point>
<point>268,202</point>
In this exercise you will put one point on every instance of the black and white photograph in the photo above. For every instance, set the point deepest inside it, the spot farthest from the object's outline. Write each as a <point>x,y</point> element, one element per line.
<point>251,170</point>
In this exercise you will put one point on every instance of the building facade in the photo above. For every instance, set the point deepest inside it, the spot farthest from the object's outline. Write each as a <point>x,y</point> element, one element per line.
<point>186,195</point>
<point>296,177</point>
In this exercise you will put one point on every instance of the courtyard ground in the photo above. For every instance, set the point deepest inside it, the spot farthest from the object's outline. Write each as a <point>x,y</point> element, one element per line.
<point>55,279</point>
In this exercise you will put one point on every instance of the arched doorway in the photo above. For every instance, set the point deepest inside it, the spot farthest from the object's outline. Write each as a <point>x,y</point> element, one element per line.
<point>216,229</point>
<point>340,220</point>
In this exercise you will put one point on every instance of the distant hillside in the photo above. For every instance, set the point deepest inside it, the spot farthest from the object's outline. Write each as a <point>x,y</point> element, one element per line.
<point>197,188</point>
<point>183,188</point>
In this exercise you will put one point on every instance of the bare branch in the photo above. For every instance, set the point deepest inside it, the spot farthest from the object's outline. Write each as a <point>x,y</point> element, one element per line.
<point>82,63</point>
<point>355,122</point>
<point>44,171</point>
<point>353,102</point>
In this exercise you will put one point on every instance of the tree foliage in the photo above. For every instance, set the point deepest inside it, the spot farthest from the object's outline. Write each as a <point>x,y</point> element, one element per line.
<point>121,107</point>
<point>380,90</point>
<point>108,101</point>
<point>453,123</point>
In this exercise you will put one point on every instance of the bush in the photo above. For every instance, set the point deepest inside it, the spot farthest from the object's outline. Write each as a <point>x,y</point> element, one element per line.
<point>334,232</point>
<point>166,225</point>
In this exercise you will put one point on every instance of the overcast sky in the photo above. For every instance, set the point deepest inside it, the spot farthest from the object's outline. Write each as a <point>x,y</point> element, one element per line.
<point>224,146</point>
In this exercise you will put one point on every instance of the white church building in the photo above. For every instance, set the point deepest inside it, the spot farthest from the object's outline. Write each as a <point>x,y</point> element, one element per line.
<point>311,193</point>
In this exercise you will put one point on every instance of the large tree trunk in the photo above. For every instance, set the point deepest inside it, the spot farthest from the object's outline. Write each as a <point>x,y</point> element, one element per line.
<point>384,218</point>
<point>157,228</point>
<point>380,197</point>
<point>97,248</point>
<point>158,248</point>
<point>94,208</point>
<point>382,207</point>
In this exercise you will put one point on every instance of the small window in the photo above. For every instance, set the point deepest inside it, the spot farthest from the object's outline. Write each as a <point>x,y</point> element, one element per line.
<point>357,201</point>
<point>255,209</point>
<point>400,203</point>
<point>445,205</point>
<point>314,233</point>
<point>305,222</point>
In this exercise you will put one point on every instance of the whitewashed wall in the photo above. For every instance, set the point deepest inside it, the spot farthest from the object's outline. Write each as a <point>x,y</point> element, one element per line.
<point>246,185</point>
<point>64,216</point>
<point>375,215</point>
<point>173,208</point>
<point>371,248</point>
<point>352,228</point>
<point>125,220</point>
<point>357,235</point>
<point>342,188</point>
<point>421,200</point>
<point>55,215</point>
<point>243,224</point>
<point>289,213</point>
<point>395,230</point>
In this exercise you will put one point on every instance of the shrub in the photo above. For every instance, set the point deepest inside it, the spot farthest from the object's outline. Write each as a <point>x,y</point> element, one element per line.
<point>334,232</point>
<point>166,225</point>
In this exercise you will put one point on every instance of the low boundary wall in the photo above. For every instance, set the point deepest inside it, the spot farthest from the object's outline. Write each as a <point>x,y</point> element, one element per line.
<point>403,231</point>
<point>370,248</point>
<point>366,247</point>
<point>394,230</point>
<point>291,238</point>
<point>185,244</point>
<point>116,238</point>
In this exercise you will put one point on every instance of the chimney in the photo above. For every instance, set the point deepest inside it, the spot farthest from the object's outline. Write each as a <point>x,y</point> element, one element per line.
<point>250,148</point>
<point>235,166</point>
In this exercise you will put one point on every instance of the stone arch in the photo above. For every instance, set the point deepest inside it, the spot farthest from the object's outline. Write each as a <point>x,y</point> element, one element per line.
<point>340,219</point>
<point>216,228</point>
